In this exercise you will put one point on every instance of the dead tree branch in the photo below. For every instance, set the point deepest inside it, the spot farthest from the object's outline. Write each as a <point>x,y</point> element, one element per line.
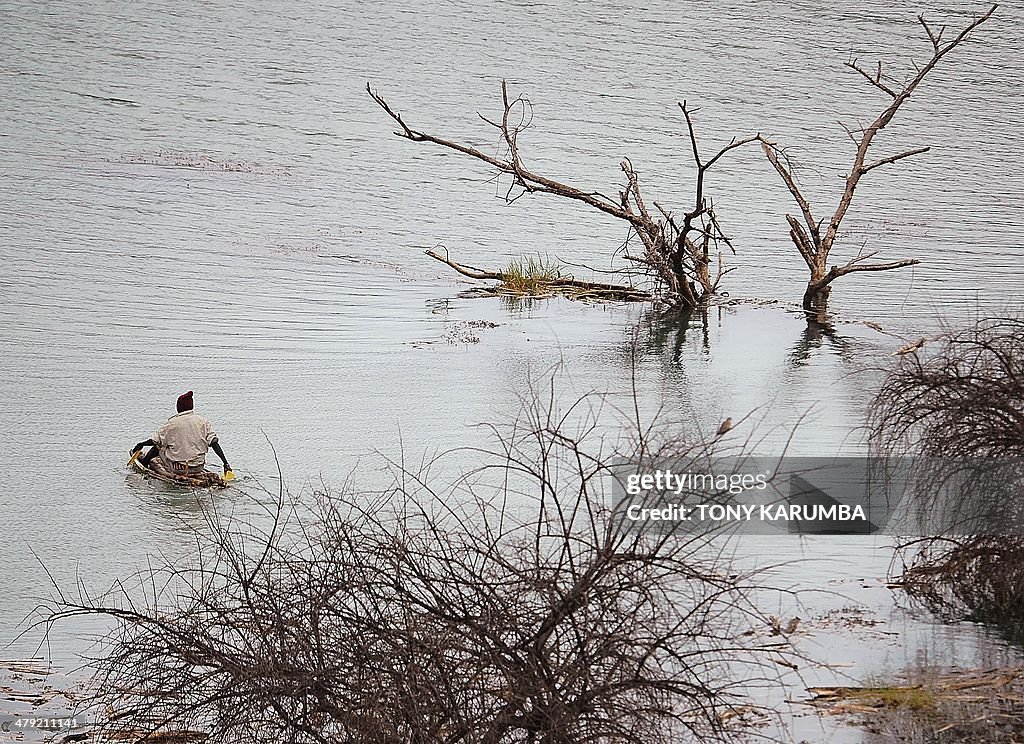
<point>586,289</point>
<point>471,272</point>
<point>813,244</point>
<point>676,254</point>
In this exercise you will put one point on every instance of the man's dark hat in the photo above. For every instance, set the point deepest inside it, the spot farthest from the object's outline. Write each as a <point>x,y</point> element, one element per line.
<point>185,402</point>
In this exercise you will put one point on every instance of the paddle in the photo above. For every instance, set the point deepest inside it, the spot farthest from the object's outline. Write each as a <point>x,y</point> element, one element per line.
<point>134,457</point>
<point>228,476</point>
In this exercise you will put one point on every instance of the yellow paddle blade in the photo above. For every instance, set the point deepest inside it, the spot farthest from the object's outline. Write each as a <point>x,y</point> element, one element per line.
<point>134,457</point>
<point>228,475</point>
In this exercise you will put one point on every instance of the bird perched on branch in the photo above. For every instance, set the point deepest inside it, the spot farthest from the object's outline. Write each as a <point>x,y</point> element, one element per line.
<point>724,427</point>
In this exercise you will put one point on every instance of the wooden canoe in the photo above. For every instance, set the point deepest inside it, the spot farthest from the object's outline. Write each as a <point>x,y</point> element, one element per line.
<point>204,479</point>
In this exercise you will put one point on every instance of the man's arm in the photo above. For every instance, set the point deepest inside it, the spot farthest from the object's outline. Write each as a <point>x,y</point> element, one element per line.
<point>140,445</point>
<point>215,446</point>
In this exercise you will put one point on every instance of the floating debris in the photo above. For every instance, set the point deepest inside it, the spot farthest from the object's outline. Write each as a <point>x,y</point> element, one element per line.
<point>779,629</point>
<point>847,617</point>
<point>980,705</point>
<point>107,99</point>
<point>35,665</point>
<point>31,697</point>
<point>200,162</point>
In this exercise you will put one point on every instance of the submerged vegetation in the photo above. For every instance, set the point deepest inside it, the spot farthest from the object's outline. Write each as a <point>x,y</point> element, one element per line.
<point>961,398</point>
<point>530,275</point>
<point>541,277</point>
<point>814,244</point>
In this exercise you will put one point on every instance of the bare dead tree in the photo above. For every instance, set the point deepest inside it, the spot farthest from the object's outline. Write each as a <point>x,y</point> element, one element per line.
<point>814,243</point>
<point>507,607</point>
<point>683,255</point>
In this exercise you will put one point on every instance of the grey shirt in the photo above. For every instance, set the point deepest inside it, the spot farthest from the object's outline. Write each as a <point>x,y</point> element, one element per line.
<point>185,438</point>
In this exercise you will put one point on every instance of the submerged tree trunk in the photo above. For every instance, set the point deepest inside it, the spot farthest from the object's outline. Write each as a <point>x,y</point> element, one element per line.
<point>812,241</point>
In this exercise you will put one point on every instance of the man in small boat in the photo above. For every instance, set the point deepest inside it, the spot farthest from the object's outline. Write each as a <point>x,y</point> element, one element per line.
<point>179,447</point>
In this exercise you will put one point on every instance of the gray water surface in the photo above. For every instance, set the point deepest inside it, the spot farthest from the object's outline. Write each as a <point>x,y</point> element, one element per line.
<point>204,198</point>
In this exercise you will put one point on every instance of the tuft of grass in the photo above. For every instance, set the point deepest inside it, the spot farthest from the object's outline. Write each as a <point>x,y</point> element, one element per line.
<point>530,275</point>
<point>914,698</point>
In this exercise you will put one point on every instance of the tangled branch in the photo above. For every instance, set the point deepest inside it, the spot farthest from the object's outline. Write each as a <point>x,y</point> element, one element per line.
<point>959,404</point>
<point>684,257</point>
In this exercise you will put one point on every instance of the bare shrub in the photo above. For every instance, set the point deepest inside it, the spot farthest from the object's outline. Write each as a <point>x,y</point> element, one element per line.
<point>960,399</point>
<point>504,606</point>
<point>969,578</point>
<point>960,396</point>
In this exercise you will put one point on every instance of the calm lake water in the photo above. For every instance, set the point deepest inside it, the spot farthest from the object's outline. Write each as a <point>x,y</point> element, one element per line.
<point>205,198</point>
